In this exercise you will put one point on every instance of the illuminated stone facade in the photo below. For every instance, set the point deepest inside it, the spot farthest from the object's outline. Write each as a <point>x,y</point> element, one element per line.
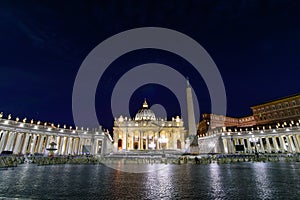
<point>35,137</point>
<point>278,111</point>
<point>273,127</point>
<point>146,132</point>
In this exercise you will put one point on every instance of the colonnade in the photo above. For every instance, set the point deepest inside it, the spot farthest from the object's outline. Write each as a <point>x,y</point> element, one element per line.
<point>28,138</point>
<point>280,143</point>
<point>278,140</point>
<point>30,143</point>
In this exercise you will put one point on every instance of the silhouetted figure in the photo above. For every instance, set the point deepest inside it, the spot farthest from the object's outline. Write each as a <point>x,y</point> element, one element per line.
<point>196,160</point>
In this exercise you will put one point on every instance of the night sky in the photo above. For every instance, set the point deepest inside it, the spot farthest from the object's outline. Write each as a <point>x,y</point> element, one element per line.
<point>255,45</point>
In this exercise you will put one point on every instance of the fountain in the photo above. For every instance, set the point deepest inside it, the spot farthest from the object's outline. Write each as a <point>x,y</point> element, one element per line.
<point>52,149</point>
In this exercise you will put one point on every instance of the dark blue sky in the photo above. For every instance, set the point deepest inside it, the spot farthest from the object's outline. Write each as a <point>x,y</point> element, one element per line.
<point>255,45</point>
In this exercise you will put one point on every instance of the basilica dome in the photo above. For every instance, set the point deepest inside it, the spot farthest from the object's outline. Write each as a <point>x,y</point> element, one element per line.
<point>145,113</point>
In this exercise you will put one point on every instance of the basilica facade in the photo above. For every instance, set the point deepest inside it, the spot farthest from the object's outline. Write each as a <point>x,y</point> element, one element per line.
<point>147,132</point>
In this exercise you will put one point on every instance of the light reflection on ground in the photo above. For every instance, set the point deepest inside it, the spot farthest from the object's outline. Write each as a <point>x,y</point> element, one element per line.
<point>160,181</point>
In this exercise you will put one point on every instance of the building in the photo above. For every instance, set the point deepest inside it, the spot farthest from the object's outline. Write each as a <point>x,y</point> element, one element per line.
<point>20,137</point>
<point>273,127</point>
<point>147,132</point>
<point>278,111</point>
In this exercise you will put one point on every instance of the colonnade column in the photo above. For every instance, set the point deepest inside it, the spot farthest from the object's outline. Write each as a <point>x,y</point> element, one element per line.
<point>81,142</point>
<point>66,147</point>
<point>225,145</point>
<point>25,144</point>
<point>275,145</point>
<point>262,148</point>
<point>18,144</point>
<point>41,142</point>
<point>268,145</point>
<point>32,145</point>
<point>297,144</point>
<point>231,145</point>
<point>10,141</point>
<point>243,143</point>
<point>282,144</point>
<point>70,145</point>
<point>3,140</point>
<point>249,145</point>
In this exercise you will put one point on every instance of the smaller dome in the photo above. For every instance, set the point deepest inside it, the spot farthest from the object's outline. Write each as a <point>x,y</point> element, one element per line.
<point>145,113</point>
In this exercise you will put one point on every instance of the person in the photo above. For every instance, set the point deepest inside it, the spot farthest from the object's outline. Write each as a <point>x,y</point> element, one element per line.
<point>196,160</point>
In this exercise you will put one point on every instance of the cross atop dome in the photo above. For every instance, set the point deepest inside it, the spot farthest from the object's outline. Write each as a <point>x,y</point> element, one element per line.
<point>145,104</point>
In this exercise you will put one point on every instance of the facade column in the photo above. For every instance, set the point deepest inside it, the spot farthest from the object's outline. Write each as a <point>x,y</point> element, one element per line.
<point>25,145</point>
<point>275,144</point>
<point>124,141</point>
<point>262,148</point>
<point>175,141</point>
<point>157,142</point>
<point>3,140</point>
<point>268,145</point>
<point>133,140</point>
<point>140,142</point>
<point>147,140</point>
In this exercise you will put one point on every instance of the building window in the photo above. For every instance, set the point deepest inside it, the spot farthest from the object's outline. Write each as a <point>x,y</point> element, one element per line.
<point>286,104</point>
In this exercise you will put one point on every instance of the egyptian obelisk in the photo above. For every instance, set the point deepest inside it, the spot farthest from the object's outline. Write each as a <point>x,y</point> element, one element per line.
<point>191,141</point>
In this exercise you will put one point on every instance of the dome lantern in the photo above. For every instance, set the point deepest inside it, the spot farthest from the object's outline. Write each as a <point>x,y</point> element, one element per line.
<point>145,114</point>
